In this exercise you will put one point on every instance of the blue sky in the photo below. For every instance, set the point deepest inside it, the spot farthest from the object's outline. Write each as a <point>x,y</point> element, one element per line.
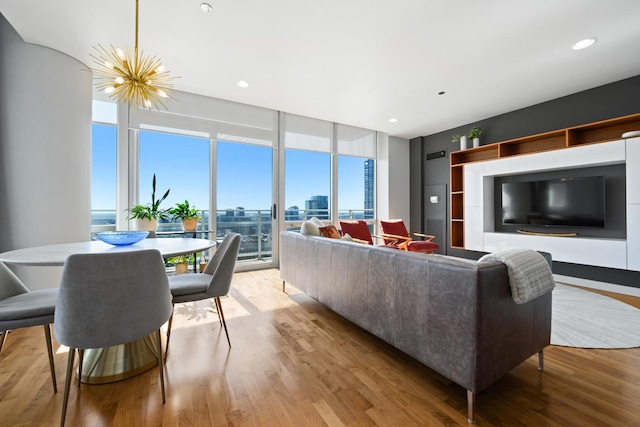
<point>181,163</point>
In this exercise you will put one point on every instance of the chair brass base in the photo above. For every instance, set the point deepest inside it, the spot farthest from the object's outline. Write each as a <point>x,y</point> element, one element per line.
<point>111,364</point>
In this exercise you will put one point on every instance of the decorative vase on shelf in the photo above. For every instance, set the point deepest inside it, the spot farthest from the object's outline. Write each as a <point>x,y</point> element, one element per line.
<point>463,142</point>
<point>476,142</point>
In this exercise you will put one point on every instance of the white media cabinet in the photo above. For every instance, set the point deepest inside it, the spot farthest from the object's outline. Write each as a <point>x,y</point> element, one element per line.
<point>472,174</point>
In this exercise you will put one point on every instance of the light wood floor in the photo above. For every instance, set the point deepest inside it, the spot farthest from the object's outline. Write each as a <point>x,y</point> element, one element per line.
<point>295,363</point>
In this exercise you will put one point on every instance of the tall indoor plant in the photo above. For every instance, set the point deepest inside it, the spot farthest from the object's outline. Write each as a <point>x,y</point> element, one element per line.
<point>145,217</point>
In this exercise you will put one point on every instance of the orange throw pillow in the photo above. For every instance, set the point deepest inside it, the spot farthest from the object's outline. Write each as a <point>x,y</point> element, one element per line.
<point>330,231</point>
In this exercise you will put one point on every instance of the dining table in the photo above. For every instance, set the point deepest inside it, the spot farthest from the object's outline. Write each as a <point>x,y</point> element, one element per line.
<point>105,365</point>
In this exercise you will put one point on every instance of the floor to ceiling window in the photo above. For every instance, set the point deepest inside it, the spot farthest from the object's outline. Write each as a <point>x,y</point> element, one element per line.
<point>307,169</point>
<point>248,169</point>
<point>356,180</point>
<point>103,177</point>
<point>356,150</point>
<point>180,164</point>
<point>244,189</point>
<point>307,185</point>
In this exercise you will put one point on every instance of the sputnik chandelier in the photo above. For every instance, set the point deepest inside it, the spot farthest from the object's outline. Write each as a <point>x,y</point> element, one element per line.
<point>134,79</point>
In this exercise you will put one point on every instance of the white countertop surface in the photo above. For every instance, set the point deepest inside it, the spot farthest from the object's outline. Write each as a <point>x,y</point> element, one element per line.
<point>55,255</point>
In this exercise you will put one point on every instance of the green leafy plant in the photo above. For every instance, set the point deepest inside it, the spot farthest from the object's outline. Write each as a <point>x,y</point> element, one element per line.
<point>456,139</point>
<point>184,211</point>
<point>150,210</point>
<point>179,259</point>
<point>475,132</point>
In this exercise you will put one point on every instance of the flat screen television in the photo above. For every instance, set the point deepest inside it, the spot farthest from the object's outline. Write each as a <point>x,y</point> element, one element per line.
<point>567,202</point>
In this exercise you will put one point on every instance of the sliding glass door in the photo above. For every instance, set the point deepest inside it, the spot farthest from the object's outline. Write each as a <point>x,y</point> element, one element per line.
<point>244,199</point>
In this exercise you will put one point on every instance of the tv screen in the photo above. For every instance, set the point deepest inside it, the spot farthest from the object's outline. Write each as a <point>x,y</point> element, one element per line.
<point>567,202</point>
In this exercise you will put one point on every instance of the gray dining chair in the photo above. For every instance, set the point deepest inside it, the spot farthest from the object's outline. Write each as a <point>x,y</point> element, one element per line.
<point>20,308</point>
<point>108,299</point>
<point>214,282</point>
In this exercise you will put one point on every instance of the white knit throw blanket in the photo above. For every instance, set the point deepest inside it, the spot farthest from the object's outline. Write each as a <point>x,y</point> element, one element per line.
<point>529,273</point>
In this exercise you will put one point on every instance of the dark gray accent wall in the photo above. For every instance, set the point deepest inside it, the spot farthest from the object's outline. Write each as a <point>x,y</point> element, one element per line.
<point>415,184</point>
<point>604,102</point>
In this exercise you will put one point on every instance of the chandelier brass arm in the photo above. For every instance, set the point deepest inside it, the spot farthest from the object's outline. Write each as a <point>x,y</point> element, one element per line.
<point>132,77</point>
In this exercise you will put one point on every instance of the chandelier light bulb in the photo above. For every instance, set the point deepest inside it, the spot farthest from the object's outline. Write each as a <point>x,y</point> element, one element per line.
<point>109,89</point>
<point>160,69</point>
<point>162,93</point>
<point>119,80</point>
<point>121,55</point>
<point>108,65</point>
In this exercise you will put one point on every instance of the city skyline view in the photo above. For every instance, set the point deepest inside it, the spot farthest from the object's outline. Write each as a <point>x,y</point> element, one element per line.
<point>244,173</point>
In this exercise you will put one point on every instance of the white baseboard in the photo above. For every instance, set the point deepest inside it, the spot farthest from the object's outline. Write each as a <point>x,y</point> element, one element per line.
<point>603,286</point>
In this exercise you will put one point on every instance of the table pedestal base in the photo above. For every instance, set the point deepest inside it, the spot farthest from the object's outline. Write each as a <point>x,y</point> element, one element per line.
<point>111,364</point>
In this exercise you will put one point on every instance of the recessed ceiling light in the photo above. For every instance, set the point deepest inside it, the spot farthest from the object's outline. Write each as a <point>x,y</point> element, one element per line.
<point>206,7</point>
<point>583,44</point>
<point>393,120</point>
<point>242,83</point>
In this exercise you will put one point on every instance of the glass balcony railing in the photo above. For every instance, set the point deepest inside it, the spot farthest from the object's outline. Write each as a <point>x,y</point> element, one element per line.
<point>253,225</point>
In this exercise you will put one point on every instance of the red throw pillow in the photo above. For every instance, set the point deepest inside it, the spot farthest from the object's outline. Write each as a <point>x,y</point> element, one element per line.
<point>330,231</point>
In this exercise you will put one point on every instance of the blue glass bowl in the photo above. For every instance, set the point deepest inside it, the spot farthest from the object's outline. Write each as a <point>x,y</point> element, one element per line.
<point>121,238</point>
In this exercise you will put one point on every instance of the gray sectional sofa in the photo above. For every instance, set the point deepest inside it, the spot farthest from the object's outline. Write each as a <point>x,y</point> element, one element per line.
<point>456,316</point>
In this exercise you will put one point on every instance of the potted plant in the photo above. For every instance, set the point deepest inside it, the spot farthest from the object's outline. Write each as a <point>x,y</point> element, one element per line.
<point>188,214</point>
<point>146,216</point>
<point>181,263</point>
<point>474,135</point>
<point>203,261</point>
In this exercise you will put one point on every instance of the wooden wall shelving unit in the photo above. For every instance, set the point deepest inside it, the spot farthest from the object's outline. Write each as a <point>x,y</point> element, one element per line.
<point>591,133</point>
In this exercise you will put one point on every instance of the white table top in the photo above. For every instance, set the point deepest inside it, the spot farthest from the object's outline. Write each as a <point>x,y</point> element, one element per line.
<point>55,255</point>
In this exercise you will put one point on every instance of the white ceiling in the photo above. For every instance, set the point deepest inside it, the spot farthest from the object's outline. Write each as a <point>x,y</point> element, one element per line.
<point>360,62</point>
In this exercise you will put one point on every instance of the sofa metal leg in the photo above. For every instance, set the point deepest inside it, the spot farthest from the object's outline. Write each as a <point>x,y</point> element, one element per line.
<point>283,282</point>
<point>471,401</point>
<point>541,360</point>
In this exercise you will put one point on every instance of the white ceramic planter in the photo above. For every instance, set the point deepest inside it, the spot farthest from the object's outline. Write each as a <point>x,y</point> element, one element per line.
<point>463,142</point>
<point>144,224</point>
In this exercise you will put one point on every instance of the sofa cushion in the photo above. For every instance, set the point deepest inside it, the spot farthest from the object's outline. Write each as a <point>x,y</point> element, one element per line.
<point>309,229</point>
<point>330,231</point>
<point>422,246</point>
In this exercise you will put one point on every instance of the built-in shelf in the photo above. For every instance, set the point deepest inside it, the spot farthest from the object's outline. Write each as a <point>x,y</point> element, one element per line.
<point>591,133</point>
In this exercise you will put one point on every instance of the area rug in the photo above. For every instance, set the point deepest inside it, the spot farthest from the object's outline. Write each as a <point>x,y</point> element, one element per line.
<point>589,320</point>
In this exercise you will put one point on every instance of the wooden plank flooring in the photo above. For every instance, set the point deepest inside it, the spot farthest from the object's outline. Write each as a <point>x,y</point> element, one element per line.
<point>295,363</point>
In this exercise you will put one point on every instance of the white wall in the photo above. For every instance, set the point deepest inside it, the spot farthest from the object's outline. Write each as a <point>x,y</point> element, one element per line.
<point>393,178</point>
<point>45,150</point>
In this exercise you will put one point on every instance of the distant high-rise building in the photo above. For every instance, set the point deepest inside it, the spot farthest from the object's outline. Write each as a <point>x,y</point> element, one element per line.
<point>317,206</point>
<point>292,214</point>
<point>369,168</point>
<point>239,211</point>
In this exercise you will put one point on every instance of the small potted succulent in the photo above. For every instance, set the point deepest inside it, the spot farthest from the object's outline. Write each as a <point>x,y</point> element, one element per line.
<point>188,214</point>
<point>474,135</point>
<point>146,216</point>
<point>181,263</point>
